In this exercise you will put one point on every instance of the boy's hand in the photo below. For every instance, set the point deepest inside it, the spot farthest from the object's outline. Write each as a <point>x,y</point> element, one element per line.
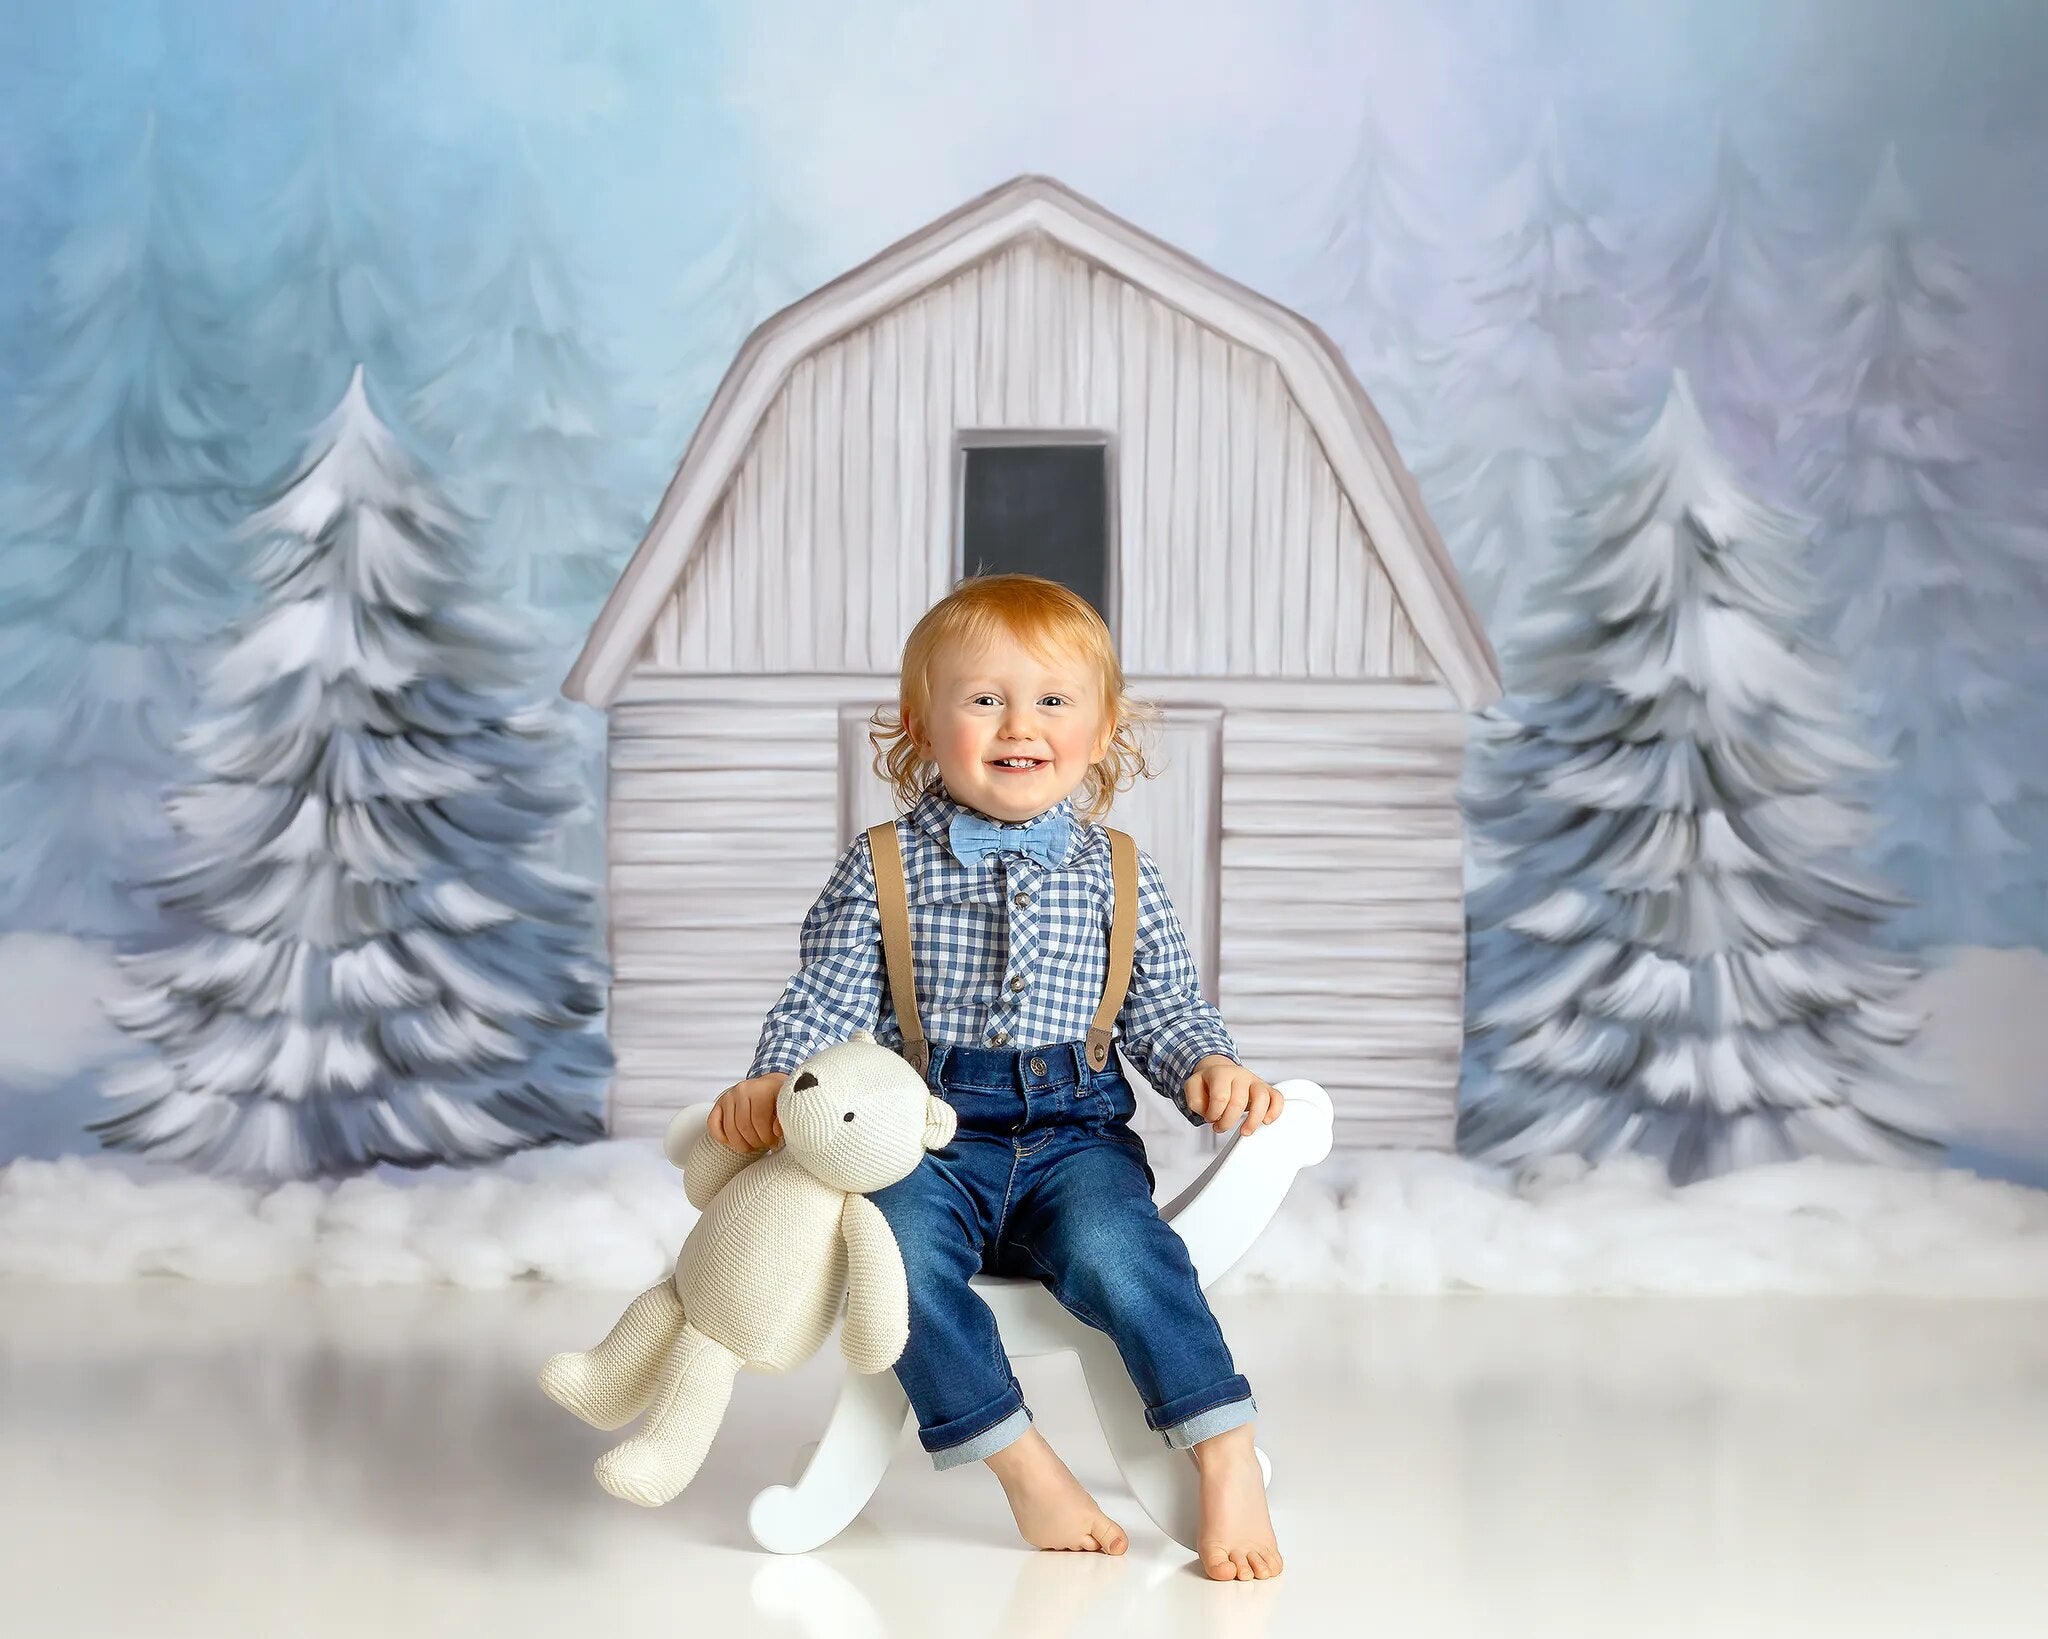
<point>1223,1092</point>
<point>743,1119</point>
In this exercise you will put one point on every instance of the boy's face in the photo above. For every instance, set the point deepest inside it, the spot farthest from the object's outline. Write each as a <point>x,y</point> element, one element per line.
<point>1012,733</point>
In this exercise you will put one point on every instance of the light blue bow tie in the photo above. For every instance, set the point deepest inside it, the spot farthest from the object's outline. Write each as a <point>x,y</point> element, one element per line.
<point>1045,839</point>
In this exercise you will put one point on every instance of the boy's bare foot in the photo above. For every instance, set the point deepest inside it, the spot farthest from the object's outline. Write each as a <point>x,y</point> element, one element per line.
<point>1234,1540</point>
<point>1053,1508</point>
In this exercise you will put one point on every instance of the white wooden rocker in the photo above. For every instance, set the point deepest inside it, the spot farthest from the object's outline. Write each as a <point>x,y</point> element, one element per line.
<point>1219,1215</point>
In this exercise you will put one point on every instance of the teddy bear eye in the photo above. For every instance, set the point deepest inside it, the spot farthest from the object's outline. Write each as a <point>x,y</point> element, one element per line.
<point>803,1081</point>
<point>847,1117</point>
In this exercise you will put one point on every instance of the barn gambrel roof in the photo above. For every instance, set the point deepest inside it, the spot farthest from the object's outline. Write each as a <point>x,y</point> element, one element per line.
<point>1353,437</point>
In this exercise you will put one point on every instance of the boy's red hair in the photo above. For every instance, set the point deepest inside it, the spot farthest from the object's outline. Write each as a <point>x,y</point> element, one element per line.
<point>1050,621</point>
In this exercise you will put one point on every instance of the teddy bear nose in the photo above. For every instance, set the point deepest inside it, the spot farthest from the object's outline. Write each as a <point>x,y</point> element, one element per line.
<point>847,1117</point>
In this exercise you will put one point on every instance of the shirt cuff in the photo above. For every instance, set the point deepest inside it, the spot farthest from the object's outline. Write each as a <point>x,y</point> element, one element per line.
<point>778,1057</point>
<point>1175,1053</point>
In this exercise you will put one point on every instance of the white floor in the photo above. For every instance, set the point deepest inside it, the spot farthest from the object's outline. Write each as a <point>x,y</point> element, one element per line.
<point>187,1459</point>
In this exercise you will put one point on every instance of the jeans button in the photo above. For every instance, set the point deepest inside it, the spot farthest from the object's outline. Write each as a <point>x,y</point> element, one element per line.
<point>1038,1067</point>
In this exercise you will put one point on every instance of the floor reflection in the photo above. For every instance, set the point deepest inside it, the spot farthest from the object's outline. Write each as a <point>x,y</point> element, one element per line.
<point>177,1459</point>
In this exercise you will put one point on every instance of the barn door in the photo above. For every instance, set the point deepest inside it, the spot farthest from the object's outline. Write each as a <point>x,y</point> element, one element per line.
<point>1175,818</point>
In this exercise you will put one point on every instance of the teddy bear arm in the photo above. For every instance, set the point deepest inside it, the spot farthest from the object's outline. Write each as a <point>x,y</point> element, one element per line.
<point>877,1290</point>
<point>708,1166</point>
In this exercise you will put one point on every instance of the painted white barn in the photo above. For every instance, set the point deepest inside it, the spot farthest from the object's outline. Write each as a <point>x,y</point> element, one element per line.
<point>1033,383</point>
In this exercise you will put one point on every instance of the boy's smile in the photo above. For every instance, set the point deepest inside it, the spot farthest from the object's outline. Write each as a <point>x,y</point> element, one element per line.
<point>1012,733</point>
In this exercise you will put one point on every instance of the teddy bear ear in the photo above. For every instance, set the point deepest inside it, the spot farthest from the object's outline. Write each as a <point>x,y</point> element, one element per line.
<point>940,1123</point>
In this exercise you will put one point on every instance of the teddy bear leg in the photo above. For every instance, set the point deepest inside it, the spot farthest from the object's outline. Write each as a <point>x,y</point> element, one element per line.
<point>688,1406</point>
<point>611,1384</point>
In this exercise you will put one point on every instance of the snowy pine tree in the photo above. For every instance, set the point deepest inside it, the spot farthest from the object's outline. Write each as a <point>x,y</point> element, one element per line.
<point>524,408</point>
<point>526,413</point>
<point>1678,959</point>
<point>1727,294</point>
<point>385,972</point>
<point>1372,286</point>
<point>1933,586</point>
<point>1529,396</point>
<point>125,459</point>
<point>331,290</point>
<point>757,267</point>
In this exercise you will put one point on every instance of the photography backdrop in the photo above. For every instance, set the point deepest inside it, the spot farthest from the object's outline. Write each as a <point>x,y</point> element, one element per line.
<point>542,232</point>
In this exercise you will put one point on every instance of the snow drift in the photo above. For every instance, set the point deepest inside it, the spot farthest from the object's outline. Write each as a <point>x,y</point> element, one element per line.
<point>611,1215</point>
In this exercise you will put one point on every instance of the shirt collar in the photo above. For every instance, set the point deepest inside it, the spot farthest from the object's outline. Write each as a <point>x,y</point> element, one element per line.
<point>934,809</point>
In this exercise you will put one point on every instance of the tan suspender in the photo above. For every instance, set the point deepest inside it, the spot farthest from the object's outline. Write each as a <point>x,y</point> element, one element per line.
<point>1123,939</point>
<point>892,901</point>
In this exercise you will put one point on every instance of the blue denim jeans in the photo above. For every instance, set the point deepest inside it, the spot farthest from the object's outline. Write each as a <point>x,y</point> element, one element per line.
<point>1045,1178</point>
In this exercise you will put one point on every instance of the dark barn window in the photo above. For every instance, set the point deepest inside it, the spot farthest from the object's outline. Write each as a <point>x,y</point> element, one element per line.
<point>1038,509</point>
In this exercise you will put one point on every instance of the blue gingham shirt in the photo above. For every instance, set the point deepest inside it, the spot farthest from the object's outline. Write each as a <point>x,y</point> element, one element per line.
<point>1007,953</point>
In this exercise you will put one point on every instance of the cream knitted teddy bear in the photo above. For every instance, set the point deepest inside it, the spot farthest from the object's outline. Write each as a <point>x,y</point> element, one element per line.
<point>758,1283</point>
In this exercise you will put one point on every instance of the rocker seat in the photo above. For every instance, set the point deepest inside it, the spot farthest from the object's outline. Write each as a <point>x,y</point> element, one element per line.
<point>1219,1216</point>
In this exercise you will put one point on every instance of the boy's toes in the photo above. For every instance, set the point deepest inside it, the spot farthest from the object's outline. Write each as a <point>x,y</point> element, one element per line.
<point>1240,1564</point>
<point>1108,1537</point>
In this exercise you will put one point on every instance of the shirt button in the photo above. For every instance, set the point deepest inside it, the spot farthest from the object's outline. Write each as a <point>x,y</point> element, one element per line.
<point>1017,982</point>
<point>1021,900</point>
<point>997,1038</point>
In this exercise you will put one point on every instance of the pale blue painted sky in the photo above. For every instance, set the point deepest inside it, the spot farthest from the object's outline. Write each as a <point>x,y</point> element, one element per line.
<point>1218,123</point>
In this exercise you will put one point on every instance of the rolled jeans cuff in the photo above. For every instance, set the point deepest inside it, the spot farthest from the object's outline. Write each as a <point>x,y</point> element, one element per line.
<point>1217,1420</point>
<point>985,1444</point>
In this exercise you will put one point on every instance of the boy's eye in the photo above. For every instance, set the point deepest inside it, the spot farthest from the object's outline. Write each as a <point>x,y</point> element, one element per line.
<point>1054,700</point>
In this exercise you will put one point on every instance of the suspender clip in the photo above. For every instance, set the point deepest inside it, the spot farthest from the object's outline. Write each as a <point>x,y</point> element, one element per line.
<point>892,902</point>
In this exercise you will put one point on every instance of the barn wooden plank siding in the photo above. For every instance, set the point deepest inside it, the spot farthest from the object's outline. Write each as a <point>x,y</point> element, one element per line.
<point>1238,555</point>
<point>1275,587</point>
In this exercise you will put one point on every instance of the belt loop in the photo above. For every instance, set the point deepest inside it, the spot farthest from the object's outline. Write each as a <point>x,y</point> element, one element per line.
<point>1077,1055</point>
